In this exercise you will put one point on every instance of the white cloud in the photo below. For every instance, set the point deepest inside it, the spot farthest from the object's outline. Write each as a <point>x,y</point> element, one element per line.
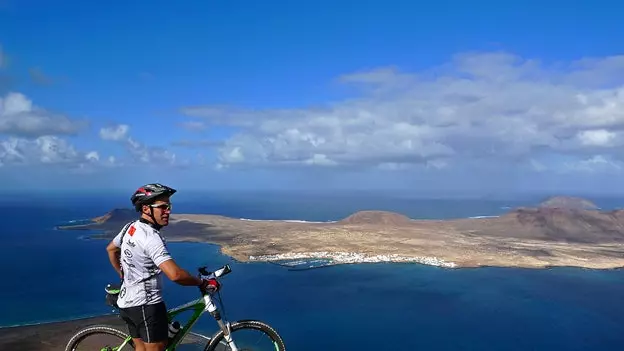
<point>150,154</point>
<point>594,164</point>
<point>598,137</point>
<point>139,152</point>
<point>193,126</point>
<point>19,117</point>
<point>35,137</point>
<point>93,156</point>
<point>44,150</point>
<point>479,106</point>
<point>118,132</point>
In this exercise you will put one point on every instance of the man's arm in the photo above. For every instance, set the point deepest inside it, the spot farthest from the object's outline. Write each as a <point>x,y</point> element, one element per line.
<point>114,251</point>
<point>114,256</point>
<point>158,253</point>
<point>179,275</point>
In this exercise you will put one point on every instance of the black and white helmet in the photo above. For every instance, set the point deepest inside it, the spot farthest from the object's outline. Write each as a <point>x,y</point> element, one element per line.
<point>148,193</point>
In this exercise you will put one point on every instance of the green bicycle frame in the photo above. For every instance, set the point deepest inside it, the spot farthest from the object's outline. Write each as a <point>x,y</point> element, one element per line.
<point>198,306</point>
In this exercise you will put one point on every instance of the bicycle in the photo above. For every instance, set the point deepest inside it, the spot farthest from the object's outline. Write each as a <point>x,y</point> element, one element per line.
<point>199,306</point>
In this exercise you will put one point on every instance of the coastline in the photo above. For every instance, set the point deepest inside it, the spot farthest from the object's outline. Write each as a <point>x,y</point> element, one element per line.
<point>355,258</point>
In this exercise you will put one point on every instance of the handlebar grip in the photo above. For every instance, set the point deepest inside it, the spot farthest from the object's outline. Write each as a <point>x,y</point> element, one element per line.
<point>223,270</point>
<point>217,274</point>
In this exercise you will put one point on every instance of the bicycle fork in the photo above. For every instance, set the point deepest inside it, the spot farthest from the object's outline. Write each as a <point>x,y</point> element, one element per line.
<point>224,326</point>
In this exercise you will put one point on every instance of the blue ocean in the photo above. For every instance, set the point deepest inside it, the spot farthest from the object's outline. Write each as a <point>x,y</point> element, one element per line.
<point>56,275</point>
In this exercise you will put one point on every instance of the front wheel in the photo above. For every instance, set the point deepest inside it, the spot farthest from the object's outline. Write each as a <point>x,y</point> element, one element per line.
<point>266,338</point>
<point>100,338</point>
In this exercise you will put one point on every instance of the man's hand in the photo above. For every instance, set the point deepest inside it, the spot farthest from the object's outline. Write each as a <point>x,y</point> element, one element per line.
<point>209,286</point>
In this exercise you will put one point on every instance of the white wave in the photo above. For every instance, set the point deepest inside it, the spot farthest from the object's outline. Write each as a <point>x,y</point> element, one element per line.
<point>477,217</point>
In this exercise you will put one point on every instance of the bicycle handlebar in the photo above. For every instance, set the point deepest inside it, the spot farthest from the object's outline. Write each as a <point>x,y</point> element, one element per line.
<point>217,273</point>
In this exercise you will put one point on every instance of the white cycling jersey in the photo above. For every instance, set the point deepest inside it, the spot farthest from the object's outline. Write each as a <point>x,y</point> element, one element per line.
<point>143,249</point>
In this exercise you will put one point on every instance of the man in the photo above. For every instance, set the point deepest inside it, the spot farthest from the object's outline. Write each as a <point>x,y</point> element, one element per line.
<point>139,255</point>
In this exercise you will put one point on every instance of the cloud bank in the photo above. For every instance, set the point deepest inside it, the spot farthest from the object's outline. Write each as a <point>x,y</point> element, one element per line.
<point>479,108</point>
<point>477,119</point>
<point>35,136</point>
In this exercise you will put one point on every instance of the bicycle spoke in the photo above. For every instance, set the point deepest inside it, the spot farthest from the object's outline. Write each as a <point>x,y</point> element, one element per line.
<point>249,340</point>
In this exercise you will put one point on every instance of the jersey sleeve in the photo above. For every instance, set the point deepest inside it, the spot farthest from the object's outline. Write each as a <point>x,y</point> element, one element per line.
<point>117,238</point>
<point>156,250</point>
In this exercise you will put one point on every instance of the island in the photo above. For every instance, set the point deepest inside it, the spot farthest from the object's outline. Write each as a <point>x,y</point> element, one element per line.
<point>561,231</point>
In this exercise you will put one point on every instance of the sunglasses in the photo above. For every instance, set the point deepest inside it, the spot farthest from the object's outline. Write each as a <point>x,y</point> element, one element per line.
<point>162,206</point>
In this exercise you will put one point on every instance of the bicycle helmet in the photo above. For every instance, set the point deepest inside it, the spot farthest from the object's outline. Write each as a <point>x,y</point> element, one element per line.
<point>149,193</point>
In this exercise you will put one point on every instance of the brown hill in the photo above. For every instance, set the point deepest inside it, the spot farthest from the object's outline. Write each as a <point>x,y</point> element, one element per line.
<point>376,218</point>
<point>569,202</point>
<point>552,224</point>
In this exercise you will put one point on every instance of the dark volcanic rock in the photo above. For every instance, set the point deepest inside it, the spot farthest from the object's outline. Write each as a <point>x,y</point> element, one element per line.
<point>565,224</point>
<point>111,221</point>
<point>118,215</point>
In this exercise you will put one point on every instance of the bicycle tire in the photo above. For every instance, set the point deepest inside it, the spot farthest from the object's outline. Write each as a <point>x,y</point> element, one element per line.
<point>96,329</point>
<point>249,324</point>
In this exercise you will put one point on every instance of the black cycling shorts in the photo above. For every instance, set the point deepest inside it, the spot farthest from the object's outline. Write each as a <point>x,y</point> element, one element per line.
<point>147,322</point>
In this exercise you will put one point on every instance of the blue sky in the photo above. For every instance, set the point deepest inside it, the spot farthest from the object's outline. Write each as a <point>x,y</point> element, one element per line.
<point>439,97</point>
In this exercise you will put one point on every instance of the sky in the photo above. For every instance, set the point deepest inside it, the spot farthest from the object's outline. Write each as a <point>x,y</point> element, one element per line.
<point>441,97</point>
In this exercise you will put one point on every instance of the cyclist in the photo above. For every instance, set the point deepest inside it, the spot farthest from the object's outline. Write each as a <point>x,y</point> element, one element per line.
<point>139,255</point>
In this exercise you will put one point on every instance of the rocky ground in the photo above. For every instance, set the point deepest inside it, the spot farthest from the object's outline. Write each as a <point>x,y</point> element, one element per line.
<point>55,336</point>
